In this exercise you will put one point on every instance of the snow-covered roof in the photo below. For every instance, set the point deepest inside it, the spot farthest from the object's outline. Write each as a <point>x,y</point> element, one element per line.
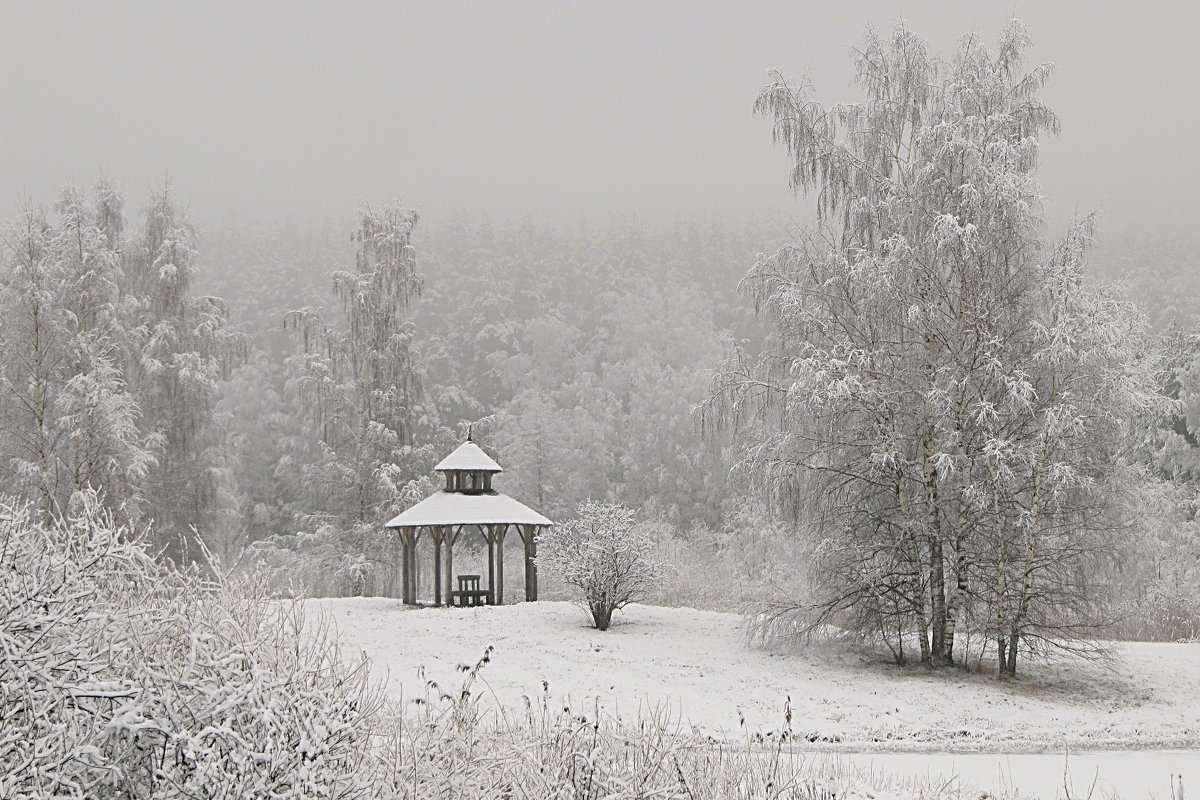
<point>456,508</point>
<point>468,455</point>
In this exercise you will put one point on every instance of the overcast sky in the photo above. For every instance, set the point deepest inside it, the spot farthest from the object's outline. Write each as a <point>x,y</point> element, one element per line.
<point>554,110</point>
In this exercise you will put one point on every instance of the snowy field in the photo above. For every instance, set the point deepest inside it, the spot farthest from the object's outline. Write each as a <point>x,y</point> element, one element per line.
<point>695,664</point>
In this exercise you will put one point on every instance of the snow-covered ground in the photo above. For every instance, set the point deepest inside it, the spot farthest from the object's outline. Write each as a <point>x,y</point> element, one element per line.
<point>1124,774</point>
<point>695,663</point>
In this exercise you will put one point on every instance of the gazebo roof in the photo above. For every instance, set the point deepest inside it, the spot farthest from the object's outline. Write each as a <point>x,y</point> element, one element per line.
<point>468,456</point>
<point>455,508</point>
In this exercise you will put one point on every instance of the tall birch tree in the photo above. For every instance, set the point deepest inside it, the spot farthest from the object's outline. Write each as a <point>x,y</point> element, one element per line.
<point>919,333</point>
<point>70,422</point>
<point>360,380</point>
<point>183,347</point>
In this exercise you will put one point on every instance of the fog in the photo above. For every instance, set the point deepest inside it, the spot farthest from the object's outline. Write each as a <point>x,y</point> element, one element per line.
<point>553,111</point>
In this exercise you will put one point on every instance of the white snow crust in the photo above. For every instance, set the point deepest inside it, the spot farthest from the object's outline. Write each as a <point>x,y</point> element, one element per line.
<point>468,456</point>
<point>456,508</point>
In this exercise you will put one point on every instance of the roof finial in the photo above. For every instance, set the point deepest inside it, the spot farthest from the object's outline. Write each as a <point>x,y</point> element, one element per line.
<point>470,430</point>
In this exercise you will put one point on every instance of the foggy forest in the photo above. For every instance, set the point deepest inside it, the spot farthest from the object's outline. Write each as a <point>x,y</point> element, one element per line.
<point>846,453</point>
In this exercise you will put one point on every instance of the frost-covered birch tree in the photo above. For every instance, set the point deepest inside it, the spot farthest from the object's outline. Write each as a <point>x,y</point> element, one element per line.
<point>922,410</point>
<point>182,348</point>
<point>359,381</point>
<point>70,421</point>
<point>107,450</point>
<point>1060,464</point>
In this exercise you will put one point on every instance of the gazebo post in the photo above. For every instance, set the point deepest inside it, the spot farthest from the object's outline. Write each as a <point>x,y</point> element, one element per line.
<point>486,530</point>
<point>406,539</point>
<point>451,537</point>
<point>529,535</point>
<point>394,577</point>
<point>500,530</point>
<point>413,560</point>
<point>412,566</point>
<point>403,567</point>
<point>435,533</point>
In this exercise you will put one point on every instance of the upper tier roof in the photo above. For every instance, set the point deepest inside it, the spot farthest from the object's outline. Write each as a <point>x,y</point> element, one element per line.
<point>455,508</point>
<point>468,456</point>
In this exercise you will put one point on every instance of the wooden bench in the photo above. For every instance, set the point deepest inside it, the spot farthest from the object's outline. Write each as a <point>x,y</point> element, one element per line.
<point>469,593</point>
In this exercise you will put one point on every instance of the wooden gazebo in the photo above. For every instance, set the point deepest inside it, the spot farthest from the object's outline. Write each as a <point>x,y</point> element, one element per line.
<point>467,501</point>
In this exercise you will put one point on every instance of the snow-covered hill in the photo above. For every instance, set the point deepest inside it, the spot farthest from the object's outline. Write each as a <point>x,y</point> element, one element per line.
<point>694,664</point>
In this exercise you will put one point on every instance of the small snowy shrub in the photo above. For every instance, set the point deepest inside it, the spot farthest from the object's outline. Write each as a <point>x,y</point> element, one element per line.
<point>606,556</point>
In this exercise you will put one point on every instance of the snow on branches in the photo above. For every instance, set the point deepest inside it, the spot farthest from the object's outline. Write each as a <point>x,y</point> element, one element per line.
<point>947,400</point>
<point>606,555</point>
<point>121,677</point>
